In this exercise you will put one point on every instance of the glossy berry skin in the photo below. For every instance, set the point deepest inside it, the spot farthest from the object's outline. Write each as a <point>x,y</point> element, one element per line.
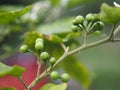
<point>65,77</point>
<point>78,20</point>
<point>44,56</point>
<point>90,17</point>
<point>52,60</point>
<point>54,75</point>
<point>39,40</point>
<point>39,46</point>
<point>24,48</point>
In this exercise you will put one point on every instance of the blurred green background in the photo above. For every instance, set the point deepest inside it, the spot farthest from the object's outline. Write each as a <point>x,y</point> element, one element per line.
<point>55,16</point>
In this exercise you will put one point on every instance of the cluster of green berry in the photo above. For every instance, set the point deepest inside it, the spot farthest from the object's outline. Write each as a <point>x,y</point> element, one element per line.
<point>39,46</point>
<point>89,24</point>
<point>44,56</point>
<point>64,77</point>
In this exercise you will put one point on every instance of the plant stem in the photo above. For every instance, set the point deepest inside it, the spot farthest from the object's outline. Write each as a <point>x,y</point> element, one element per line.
<point>117,30</point>
<point>20,78</point>
<point>68,53</point>
<point>39,64</point>
<point>64,56</point>
<point>112,32</point>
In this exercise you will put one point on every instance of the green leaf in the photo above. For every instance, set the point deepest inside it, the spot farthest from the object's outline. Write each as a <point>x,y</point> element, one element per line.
<point>6,17</point>
<point>55,38</point>
<point>73,3</point>
<point>110,14</point>
<point>8,89</point>
<point>71,36</point>
<point>78,71</point>
<point>55,2</point>
<point>62,25</point>
<point>51,86</point>
<point>10,70</point>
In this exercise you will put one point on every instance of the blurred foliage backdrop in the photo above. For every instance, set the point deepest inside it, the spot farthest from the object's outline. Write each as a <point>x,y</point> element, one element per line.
<point>55,16</point>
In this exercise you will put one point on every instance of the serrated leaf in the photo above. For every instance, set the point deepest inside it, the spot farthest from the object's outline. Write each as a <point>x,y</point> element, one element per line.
<point>8,89</point>
<point>6,17</point>
<point>51,86</point>
<point>78,71</point>
<point>110,14</point>
<point>10,70</point>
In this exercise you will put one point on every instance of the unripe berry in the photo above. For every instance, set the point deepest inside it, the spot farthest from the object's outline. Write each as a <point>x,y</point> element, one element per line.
<point>78,20</point>
<point>44,56</point>
<point>39,40</point>
<point>75,28</point>
<point>24,48</point>
<point>65,77</point>
<point>98,25</point>
<point>39,46</point>
<point>90,17</point>
<point>52,60</point>
<point>101,25</point>
<point>54,75</point>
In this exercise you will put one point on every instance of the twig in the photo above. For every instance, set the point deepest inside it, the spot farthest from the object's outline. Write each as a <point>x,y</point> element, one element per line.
<point>20,78</point>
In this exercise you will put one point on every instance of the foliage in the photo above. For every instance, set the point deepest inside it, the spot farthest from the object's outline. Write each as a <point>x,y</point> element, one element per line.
<point>60,44</point>
<point>51,86</point>
<point>8,70</point>
<point>110,17</point>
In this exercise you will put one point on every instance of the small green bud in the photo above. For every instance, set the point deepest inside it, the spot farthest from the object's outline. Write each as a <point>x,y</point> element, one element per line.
<point>44,56</point>
<point>39,46</point>
<point>24,48</point>
<point>75,28</point>
<point>52,60</point>
<point>39,40</point>
<point>90,17</point>
<point>65,77</point>
<point>54,75</point>
<point>78,20</point>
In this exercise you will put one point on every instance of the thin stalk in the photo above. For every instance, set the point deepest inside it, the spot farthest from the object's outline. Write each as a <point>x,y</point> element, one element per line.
<point>39,65</point>
<point>85,38</point>
<point>117,30</point>
<point>112,32</point>
<point>24,84</point>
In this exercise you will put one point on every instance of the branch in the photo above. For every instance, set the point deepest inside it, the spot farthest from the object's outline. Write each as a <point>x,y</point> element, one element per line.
<point>68,53</point>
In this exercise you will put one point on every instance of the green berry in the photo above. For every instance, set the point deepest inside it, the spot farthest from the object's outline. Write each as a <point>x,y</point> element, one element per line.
<point>98,25</point>
<point>78,20</point>
<point>90,17</point>
<point>54,75</point>
<point>65,77</point>
<point>39,46</point>
<point>39,40</point>
<point>52,60</point>
<point>44,56</point>
<point>24,48</point>
<point>75,28</point>
<point>101,25</point>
